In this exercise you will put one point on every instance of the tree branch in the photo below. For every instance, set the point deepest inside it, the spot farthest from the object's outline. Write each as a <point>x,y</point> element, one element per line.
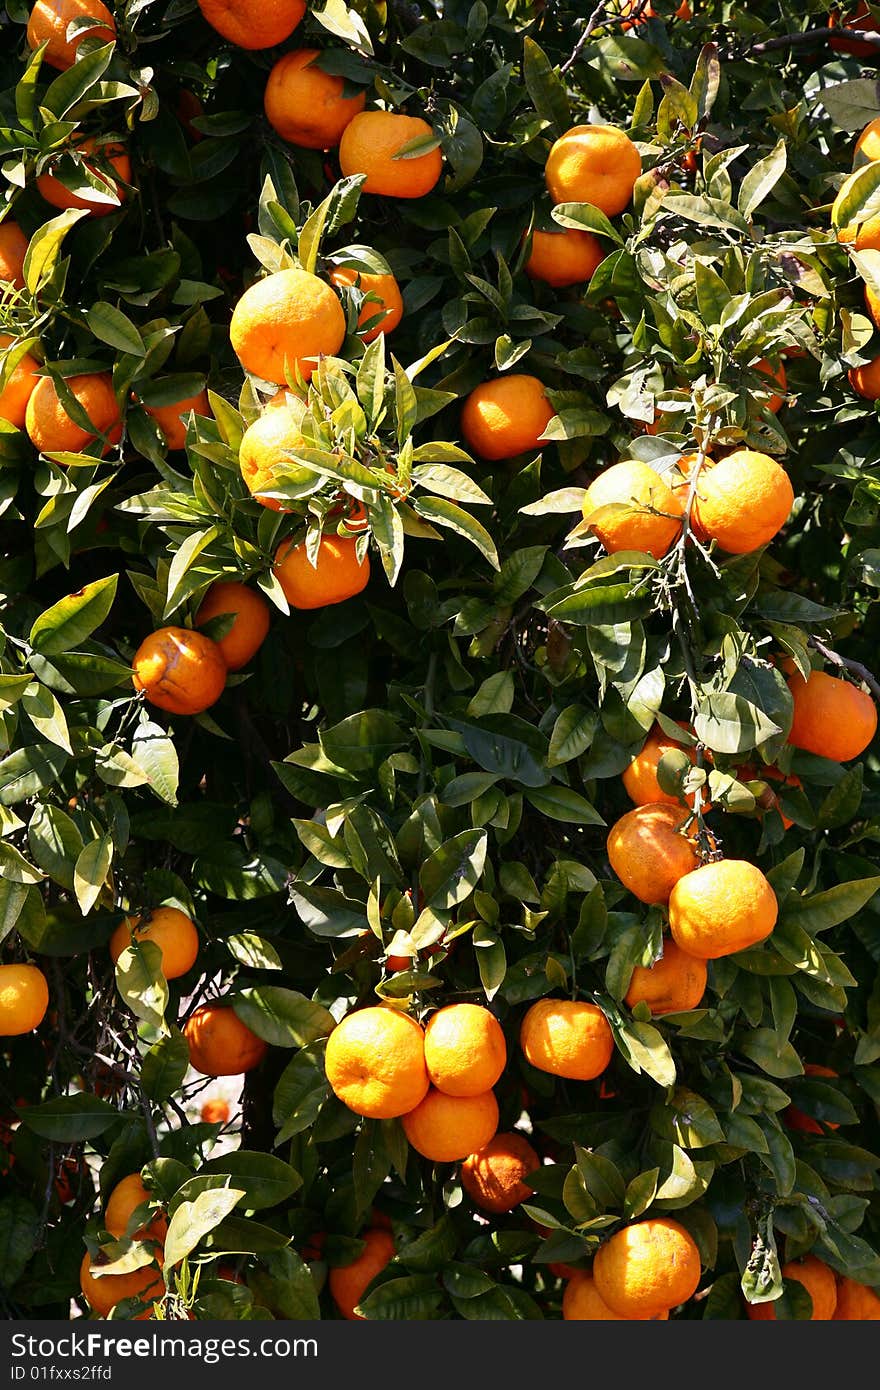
<point>865,36</point>
<point>845,663</point>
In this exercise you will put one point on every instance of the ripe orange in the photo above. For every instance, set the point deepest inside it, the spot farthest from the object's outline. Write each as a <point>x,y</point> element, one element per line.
<point>179,670</point>
<point>284,323</point>
<point>856,1303</point>
<point>375,1062</point>
<point>493,1177</point>
<point>640,777</point>
<point>721,908</point>
<point>348,1282</point>
<point>127,1195</point>
<point>564,257</point>
<point>215,1112</point>
<point>109,155</point>
<point>567,1037</point>
<point>684,11</point>
<point>798,1119</point>
<point>819,1282</point>
<point>249,628</point>
<point>596,164</point>
<point>13,248</point>
<point>582,1302</point>
<point>859,18</point>
<point>648,852</point>
<point>103,1292</point>
<point>264,449</point>
<point>50,428</point>
<point>336,577</point>
<point>172,419</point>
<point>385,289</point>
<point>777,375</point>
<point>832,717</point>
<point>672,985</point>
<point>867,235</point>
<point>24,999</point>
<point>867,147</point>
<point>20,385</point>
<point>49,20</point>
<point>743,501</point>
<point>447,1128</point>
<point>505,417</point>
<point>305,104</point>
<point>253,24</point>
<point>369,144</point>
<point>865,380</point>
<point>465,1051</point>
<point>647,1268</point>
<point>171,930</point>
<point>630,507</point>
<point>220,1044</point>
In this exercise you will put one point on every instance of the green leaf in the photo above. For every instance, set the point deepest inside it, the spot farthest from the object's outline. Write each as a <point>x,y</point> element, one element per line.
<point>263,1179</point>
<point>20,1228</point>
<point>545,87</point>
<point>572,734</point>
<point>362,741</point>
<point>253,951</point>
<point>155,753</point>
<point>141,983</point>
<point>282,1017</point>
<point>15,868</point>
<point>300,1092</point>
<point>586,217</point>
<point>451,873</point>
<point>194,1220</point>
<point>564,804</point>
<point>69,88</point>
<point>761,179</point>
<point>29,770</point>
<point>71,1119</point>
<point>284,1283</point>
<point>110,325</point>
<point>164,1066</point>
<point>763,1047</point>
<point>91,870</point>
<point>731,724</point>
<point>67,623</point>
<point>411,1298</point>
<point>441,512</point>
<point>828,909</point>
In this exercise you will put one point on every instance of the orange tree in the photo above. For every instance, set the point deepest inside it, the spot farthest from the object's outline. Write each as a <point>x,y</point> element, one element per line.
<point>439,554</point>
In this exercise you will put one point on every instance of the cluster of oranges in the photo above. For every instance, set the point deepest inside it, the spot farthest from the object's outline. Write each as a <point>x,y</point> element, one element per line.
<point>129,1215</point>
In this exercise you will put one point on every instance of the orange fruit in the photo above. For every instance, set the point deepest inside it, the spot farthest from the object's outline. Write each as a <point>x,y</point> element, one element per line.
<point>171,930</point>
<point>798,1119</point>
<point>179,670</point>
<point>640,777</point>
<point>445,1128</point>
<point>13,248</point>
<point>20,385</point>
<point>865,380</point>
<point>743,501</point>
<point>859,18</point>
<point>819,1282</point>
<point>720,908</point>
<point>215,1112</point>
<point>465,1051</point>
<point>672,985</point>
<point>24,999</point>
<point>384,288</point>
<point>493,1177</point>
<point>872,304</point>
<point>306,105</point>
<point>337,576</point>
<point>567,1037</point>
<point>50,428</point>
<point>582,1302</point>
<point>867,147</point>
<point>263,453</point>
<point>369,144</point>
<point>648,852</point>
<point>251,621</point>
<point>348,1282</point>
<point>867,235</point>
<point>647,1268</point>
<point>284,323</point>
<point>104,1292</point>
<point>596,164</point>
<point>126,1196</point>
<point>777,375</point>
<point>375,1062</point>
<point>630,507</point>
<point>49,20</point>
<point>505,417</point>
<point>856,1303</point>
<point>564,257</point>
<point>832,717</point>
<point>666,13</point>
<point>172,419</point>
<point>220,1044</point>
<point>107,152</point>
<point>253,24</point>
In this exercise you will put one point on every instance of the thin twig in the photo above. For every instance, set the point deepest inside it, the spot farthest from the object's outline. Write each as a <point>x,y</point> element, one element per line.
<point>596,19</point>
<point>846,663</point>
<point>865,36</point>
